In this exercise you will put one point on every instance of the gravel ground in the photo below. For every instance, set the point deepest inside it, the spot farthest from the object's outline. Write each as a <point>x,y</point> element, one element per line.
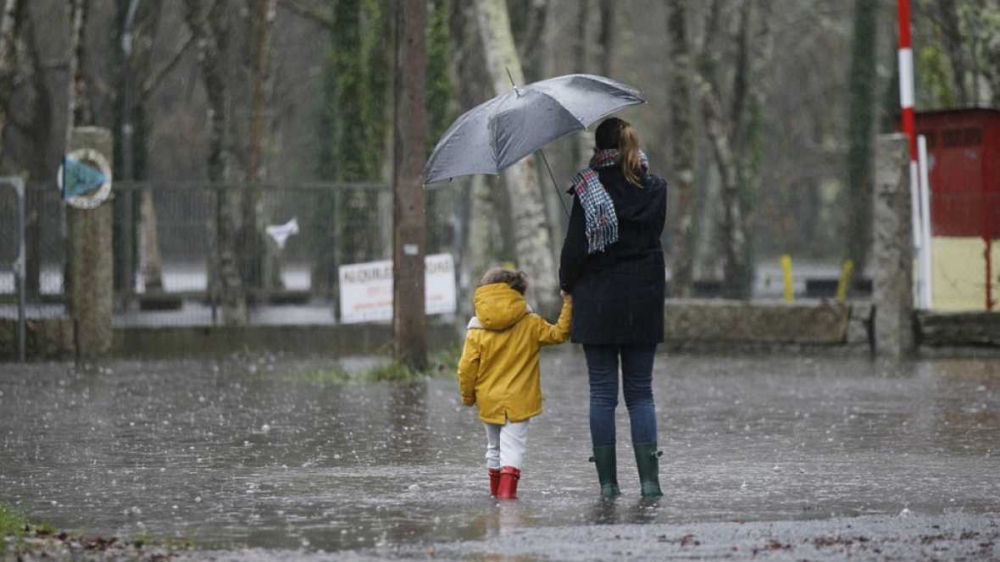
<point>905,537</point>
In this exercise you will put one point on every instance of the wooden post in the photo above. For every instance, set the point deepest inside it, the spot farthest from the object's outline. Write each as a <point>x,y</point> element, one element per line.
<point>409,222</point>
<point>90,255</point>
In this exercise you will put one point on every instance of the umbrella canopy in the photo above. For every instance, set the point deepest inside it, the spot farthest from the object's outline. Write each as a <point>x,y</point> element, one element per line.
<point>494,135</point>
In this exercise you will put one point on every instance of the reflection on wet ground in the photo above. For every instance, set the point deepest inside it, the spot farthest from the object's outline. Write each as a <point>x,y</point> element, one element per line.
<point>260,452</point>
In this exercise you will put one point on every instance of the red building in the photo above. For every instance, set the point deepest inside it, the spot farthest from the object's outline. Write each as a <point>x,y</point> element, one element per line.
<point>963,148</point>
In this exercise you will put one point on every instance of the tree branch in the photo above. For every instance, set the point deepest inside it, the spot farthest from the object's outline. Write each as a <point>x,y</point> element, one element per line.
<point>711,28</point>
<point>742,68</point>
<point>154,81</point>
<point>309,13</point>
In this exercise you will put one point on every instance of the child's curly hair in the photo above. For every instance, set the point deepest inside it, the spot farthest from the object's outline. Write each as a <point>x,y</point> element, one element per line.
<point>517,280</point>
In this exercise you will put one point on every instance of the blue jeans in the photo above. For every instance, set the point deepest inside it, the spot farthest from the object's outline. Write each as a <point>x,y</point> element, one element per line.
<point>637,382</point>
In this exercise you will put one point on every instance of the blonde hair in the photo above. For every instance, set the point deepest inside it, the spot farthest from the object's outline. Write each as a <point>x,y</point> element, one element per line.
<point>615,133</point>
<point>628,152</point>
<point>517,280</point>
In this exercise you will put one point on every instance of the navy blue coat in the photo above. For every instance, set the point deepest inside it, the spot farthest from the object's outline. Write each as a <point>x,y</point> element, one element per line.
<point>618,294</point>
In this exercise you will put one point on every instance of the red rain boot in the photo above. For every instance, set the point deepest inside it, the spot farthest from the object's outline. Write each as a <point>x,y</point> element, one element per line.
<point>507,490</point>
<point>494,481</point>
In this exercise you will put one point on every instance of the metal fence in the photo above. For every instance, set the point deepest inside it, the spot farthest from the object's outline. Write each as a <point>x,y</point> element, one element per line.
<point>288,239</point>
<point>12,257</point>
<point>167,254</point>
<point>45,254</point>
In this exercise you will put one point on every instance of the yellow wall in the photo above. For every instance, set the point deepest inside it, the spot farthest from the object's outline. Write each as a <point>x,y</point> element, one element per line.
<point>958,274</point>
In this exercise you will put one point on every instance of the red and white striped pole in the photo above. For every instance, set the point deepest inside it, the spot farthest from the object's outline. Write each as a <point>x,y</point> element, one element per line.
<point>906,102</point>
<point>906,75</point>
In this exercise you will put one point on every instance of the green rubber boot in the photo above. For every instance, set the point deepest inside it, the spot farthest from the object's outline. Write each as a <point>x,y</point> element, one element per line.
<point>647,460</point>
<point>607,470</point>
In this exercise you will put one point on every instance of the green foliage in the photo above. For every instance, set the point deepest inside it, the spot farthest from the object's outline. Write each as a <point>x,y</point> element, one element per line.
<point>15,528</point>
<point>392,371</point>
<point>345,93</point>
<point>441,364</point>
<point>12,524</point>
<point>933,68</point>
<point>334,375</point>
<point>439,89</point>
<point>378,45</point>
<point>444,363</point>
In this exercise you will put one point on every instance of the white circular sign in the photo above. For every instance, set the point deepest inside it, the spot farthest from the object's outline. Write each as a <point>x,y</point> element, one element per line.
<point>95,160</point>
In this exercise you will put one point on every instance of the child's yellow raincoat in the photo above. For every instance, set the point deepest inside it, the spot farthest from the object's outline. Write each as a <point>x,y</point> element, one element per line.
<point>499,365</point>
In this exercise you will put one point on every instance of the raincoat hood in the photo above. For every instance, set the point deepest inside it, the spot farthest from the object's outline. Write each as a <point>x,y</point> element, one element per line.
<point>498,307</point>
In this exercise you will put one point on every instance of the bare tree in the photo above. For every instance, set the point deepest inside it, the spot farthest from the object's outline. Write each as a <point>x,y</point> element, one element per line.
<point>730,135</point>
<point>581,43</point>
<point>531,236</point>
<point>211,30</point>
<point>10,21</point>
<point>606,37</point>
<point>39,140</point>
<point>77,113</point>
<point>528,21</point>
<point>253,250</point>
<point>478,210</point>
<point>682,157</point>
<point>150,260</point>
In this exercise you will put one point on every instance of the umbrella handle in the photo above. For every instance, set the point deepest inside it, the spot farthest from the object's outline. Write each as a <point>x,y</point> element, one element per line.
<point>553,178</point>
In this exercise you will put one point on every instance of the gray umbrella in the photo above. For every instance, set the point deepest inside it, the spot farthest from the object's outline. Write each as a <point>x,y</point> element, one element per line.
<point>491,137</point>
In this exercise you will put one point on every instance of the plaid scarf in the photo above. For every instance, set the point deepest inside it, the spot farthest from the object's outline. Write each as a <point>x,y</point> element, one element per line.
<point>598,209</point>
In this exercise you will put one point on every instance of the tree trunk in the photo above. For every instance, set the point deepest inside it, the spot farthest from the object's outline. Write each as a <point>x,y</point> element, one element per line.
<point>529,19</point>
<point>77,11</point>
<point>409,219</point>
<point>724,133</point>
<point>9,24</point>
<point>582,144</point>
<point>40,167</point>
<point>683,233</point>
<point>150,259</point>
<point>521,180</point>
<point>211,29</point>
<point>134,216</point>
<point>860,141</point>
<point>733,233</point>
<point>470,90</point>
<point>606,38</point>
<point>254,251</point>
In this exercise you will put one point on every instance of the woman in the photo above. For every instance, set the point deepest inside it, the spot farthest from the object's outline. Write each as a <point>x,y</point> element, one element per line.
<point>612,264</point>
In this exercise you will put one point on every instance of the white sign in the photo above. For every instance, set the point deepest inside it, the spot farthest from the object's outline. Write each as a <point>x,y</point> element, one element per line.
<point>366,289</point>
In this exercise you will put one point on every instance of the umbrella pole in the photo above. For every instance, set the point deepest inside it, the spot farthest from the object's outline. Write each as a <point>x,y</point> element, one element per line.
<point>553,178</point>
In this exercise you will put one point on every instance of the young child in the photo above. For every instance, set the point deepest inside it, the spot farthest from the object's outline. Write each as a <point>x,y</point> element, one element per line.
<point>499,370</point>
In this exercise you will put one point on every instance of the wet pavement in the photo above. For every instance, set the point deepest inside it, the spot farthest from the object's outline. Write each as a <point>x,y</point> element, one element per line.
<point>267,452</point>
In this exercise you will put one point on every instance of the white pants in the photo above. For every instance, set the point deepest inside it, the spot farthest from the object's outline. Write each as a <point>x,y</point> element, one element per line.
<point>505,444</point>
